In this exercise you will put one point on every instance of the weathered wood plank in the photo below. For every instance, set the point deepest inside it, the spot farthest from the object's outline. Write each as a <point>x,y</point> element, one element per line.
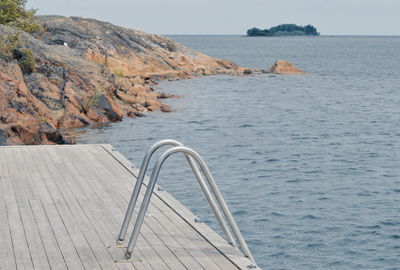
<point>71,187</point>
<point>53,253</point>
<point>160,256</point>
<point>7,257</point>
<point>38,254</point>
<point>45,231</point>
<point>211,236</point>
<point>79,232</point>
<point>196,242</point>
<point>70,253</point>
<point>10,181</point>
<point>21,188</point>
<point>61,207</point>
<point>170,227</point>
<point>25,174</point>
<point>21,250</point>
<point>99,213</point>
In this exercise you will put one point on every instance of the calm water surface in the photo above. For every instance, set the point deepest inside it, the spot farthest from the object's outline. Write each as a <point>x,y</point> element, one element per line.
<point>308,164</point>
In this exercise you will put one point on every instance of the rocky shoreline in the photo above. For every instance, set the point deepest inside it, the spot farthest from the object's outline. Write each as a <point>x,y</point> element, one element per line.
<point>86,72</point>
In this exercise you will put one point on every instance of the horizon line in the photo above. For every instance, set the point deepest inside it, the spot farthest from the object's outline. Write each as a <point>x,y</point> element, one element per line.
<point>324,35</point>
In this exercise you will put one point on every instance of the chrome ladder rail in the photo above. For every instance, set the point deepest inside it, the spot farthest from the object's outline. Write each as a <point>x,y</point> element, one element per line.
<point>191,156</point>
<point>143,169</point>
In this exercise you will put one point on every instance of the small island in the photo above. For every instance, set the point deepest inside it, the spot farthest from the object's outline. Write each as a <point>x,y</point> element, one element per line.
<point>284,30</point>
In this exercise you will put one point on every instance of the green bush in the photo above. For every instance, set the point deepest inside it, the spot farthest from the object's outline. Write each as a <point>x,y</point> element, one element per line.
<point>14,14</point>
<point>94,99</point>
<point>25,60</point>
<point>10,48</point>
<point>119,73</point>
<point>10,43</point>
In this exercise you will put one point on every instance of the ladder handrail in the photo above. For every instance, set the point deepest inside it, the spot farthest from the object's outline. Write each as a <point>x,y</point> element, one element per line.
<point>139,183</point>
<point>153,179</point>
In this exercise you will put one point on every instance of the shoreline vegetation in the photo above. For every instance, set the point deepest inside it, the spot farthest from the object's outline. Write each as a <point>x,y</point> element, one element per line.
<point>62,73</point>
<point>283,30</point>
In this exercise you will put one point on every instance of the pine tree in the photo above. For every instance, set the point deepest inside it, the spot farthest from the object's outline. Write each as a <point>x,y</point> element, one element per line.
<point>14,14</point>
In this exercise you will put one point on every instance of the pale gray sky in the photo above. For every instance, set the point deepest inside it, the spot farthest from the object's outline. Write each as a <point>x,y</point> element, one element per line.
<point>331,17</point>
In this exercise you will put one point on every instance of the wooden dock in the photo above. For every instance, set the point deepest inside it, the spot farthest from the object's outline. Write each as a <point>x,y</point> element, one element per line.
<point>61,207</point>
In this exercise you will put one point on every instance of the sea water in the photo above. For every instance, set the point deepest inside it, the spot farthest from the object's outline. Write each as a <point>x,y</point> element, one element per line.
<point>308,164</point>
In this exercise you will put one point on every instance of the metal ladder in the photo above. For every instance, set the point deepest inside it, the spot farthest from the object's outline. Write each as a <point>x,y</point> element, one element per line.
<point>192,158</point>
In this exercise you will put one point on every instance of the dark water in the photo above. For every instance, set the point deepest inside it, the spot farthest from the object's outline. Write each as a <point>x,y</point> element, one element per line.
<point>308,164</point>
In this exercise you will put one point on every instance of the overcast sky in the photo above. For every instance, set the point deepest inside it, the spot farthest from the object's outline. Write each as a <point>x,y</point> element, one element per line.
<point>331,17</point>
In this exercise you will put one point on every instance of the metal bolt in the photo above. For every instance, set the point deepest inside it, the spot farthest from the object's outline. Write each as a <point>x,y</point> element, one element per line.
<point>128,255</point>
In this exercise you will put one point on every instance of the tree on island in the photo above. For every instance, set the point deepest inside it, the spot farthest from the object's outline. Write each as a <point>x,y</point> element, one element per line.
<point>284,30</point>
